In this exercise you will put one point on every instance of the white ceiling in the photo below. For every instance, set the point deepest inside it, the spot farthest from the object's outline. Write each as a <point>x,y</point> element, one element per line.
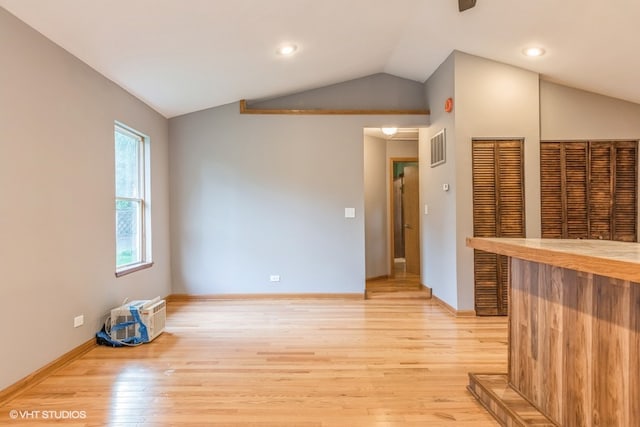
<point>181,56</point>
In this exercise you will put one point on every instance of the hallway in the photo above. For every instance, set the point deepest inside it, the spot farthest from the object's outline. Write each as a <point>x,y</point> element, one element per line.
<point>402,286</point>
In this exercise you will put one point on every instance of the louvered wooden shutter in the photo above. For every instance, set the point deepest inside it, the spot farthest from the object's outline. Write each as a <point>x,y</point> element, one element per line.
<point>625,205</point>
<point>600,190</point>
<point>510,220</point>
<point>509,183</point>
<point>498,211</point>
<point>574,190</point>
<point>484,189</point>
<point>551,190</point>
<point>596,197</point>
<point>484,225</point>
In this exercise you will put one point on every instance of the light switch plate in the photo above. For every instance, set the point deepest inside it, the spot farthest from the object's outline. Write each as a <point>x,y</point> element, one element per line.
<point>426,209</point>
<point>78,321</point>
<point>349,212</point>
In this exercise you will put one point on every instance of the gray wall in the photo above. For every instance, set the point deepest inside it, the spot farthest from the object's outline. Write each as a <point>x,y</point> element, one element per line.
<point>438,227</point>
<point>573,114</point>
<point>378,91</point>
<point>257,195</point>
<point>491,100</point>
<point>57,250</point>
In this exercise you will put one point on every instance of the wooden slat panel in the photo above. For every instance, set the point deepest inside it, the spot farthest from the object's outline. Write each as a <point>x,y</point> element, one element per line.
<point>519,355</point>
<point>510,192</point>
<point>625,194</point>
<point>510,197</point>
<point>532,287</point>
<point>575,190</point>
<point>577,364</point>
<point>574,344</point>
<point>536,345</point>
<point>600,190</point>
<point>485,269</point>
<point>515,274</point>
<point>551,346</point>
<point>611,352</point>
<point>498,211</point>
<point>503,285</point>
<point>484,189</point>
<point>589,190</point>
<point>634,349</point>
<point>551,191</point>
<point>485,225</point>
<point>563,180</point>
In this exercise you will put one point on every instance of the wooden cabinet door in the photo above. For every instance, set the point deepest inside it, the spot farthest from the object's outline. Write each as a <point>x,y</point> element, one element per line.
<point>600,190</point>
<point>498,211</point>
<point>625,185</point>
<point>552,199</point>
<point>563,189</point>
<point>589,190</point>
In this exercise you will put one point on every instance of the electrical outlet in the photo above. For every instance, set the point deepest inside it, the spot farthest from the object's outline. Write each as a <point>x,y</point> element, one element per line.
<point>274,278</point>
<point>78,321</point>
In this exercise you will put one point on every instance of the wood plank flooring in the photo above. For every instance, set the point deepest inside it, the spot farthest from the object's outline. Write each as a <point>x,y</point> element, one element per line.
<point>401,286</point>
<point>281,363</point>
<point>508,405</point>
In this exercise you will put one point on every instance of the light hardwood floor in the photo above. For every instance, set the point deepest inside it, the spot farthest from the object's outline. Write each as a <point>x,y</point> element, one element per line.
<point>401,286</point>
<point>316,362</point>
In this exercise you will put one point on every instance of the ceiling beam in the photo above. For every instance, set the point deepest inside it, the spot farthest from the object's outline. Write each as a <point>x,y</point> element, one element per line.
<point>246,110</point>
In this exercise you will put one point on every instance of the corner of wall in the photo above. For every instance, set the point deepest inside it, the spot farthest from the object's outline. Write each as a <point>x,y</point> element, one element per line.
<point>438,224</point>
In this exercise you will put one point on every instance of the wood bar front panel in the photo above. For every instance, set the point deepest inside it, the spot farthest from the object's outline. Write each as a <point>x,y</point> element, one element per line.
<point>574,344</point>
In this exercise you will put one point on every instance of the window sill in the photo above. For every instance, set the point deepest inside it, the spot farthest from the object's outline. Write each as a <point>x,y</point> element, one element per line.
<point>133,268</point>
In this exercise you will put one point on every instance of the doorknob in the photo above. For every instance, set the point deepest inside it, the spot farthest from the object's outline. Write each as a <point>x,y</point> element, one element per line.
<point>407,226</point>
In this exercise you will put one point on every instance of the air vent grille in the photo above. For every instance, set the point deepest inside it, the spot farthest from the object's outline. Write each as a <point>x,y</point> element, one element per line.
<point>438,149</point>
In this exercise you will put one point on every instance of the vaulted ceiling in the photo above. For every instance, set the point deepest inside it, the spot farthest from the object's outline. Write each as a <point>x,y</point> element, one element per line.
<point>181,56</point>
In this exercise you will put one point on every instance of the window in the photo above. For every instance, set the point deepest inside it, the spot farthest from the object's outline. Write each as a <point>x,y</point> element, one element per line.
<point>133,236</point>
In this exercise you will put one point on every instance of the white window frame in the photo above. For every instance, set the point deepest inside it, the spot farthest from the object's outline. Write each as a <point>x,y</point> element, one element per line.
<point>144,191</point>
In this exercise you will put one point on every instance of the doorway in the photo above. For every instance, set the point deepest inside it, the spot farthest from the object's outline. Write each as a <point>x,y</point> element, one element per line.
<point>405,218</point>
<point>392,215</point>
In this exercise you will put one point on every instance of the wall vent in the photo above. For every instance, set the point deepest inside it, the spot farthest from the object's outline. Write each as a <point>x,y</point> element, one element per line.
<point>438,149</point>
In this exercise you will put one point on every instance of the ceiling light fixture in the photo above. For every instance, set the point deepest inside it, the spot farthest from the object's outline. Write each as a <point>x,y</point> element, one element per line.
<point>287,49</point>
<point>533,51</point>
<point>389,131</point>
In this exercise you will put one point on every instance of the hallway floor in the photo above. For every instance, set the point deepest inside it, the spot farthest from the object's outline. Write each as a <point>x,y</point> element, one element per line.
<point>402,285</point>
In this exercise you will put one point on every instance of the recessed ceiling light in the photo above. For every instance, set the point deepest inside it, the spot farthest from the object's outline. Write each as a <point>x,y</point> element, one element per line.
<point>287,49</point>
<point>533,51</point>
<point>389,131</point>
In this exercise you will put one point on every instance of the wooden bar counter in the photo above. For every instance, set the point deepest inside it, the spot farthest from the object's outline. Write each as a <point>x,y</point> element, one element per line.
<point>574,341</point>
